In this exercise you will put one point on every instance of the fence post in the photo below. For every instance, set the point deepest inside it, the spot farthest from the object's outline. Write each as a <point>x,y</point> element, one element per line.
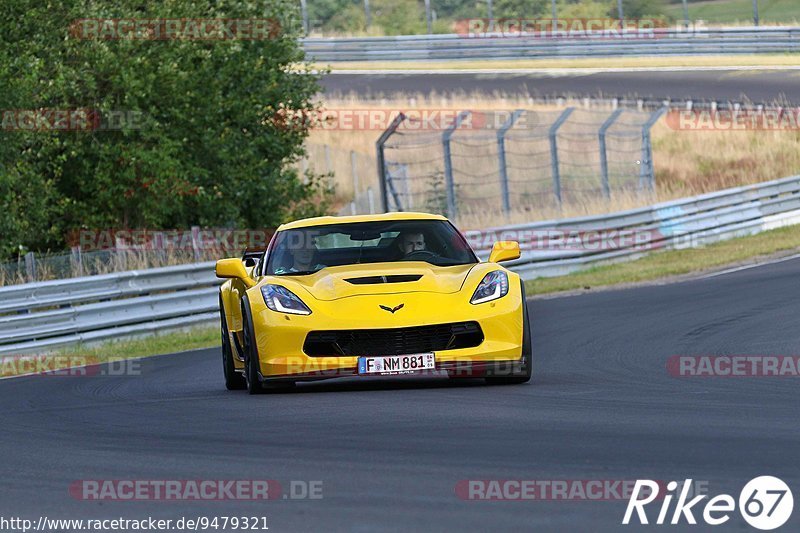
<point>30,266</point>
<point>120,251</point>
<point>160,248</point>
<point>328,164</point>
<point>304,11</point>
<point>371,200</point>
<point>450,187</point>
<point>501,155</point>
<point>604,153</point>
<point>77,261</point>
<point>553,133</point>
<point>196,242</point>
<point>428,16</point>
<point>685,14</point>
<point>647,173</point>
<point>354,171</point>
<point>382,172</point>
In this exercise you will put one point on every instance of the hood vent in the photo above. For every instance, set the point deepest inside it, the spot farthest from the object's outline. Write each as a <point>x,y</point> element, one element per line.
<point>375,280</point>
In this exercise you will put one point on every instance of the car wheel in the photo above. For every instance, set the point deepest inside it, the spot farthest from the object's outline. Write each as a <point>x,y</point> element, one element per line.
<point>233,379</point>
<point>522,375</point>
<point>250,351</point>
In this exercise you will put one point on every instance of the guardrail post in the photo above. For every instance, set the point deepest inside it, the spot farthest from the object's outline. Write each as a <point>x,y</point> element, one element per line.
<point>501,156</point>
<point>448,164</point>
<point>553,133</point>
<point>382,170</point>
<point>647,173</point>
<point>604,153</point>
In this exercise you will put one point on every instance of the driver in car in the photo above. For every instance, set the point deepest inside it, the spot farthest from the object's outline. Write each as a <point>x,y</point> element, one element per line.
<point>303,259</point>
<point>412,242</point>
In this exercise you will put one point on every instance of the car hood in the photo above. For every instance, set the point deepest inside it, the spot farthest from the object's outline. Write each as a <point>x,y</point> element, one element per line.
<point>333,283</point>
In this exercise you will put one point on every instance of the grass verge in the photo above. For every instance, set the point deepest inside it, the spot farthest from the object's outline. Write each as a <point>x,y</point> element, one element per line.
<point>746,60</point>
<point>72,357</point>
<point>738,11</point>
<point>669,263</point>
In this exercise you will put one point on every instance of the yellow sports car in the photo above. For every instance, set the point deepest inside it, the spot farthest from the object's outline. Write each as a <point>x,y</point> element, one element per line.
<point>374,295</point>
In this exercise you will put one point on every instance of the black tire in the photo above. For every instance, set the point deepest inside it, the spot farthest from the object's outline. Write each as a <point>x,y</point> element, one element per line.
<point>251,369</point>
<point>522,375</point>
<point>233,379</point>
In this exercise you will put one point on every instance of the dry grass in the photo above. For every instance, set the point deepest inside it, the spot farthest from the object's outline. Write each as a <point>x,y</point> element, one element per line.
<point>61,266</point>
<point>687,163</point>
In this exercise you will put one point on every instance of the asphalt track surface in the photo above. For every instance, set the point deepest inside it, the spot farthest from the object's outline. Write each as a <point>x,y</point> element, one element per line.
<point>758,86</point>
<point>389,454</point>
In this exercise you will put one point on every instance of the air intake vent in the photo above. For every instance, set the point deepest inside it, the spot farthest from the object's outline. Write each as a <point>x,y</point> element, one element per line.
<point>394,341</point>
<point>374,280</point>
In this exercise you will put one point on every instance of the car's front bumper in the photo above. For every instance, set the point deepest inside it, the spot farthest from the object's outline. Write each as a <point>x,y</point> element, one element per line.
<point>280,337</point>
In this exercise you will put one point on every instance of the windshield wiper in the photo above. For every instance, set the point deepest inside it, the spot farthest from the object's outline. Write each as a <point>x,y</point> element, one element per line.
<point>298,273</point>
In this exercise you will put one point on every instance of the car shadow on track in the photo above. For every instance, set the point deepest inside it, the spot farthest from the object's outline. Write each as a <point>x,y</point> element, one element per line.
<point>380,384</point>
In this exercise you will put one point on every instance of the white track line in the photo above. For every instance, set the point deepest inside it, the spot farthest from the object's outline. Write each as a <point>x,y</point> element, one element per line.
<point>747,267</point>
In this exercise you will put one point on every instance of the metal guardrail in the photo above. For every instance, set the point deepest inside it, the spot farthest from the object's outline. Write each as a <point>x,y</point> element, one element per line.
<point>745,40</point>
<point>689,222</point>
<point>45,315</point>
<point>48,314</point>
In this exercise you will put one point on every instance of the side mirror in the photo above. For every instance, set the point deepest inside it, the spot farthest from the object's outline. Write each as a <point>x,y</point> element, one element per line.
<point>234,269</point>
<point>504,251</point>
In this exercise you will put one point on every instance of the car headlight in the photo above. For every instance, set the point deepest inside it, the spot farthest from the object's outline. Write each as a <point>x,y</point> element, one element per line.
<point>493,286</point>
<point>282,300</point>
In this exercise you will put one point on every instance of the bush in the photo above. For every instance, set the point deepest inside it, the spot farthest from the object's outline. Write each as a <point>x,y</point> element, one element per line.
<point>206,151</point>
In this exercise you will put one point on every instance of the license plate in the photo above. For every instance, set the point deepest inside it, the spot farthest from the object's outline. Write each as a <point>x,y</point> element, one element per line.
<point>396,364</point>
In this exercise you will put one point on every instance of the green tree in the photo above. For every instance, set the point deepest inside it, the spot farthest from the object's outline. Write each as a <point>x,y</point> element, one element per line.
<point>209,147</point>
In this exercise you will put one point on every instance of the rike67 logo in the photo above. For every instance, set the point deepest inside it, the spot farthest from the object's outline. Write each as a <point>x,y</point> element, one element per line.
<point>765,503</point>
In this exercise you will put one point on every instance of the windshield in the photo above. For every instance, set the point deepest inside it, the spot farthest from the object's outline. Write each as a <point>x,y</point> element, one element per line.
<point>308,250</point>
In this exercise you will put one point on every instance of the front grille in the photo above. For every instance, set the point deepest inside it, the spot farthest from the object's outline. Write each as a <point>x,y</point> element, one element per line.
<point>394,341</point>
